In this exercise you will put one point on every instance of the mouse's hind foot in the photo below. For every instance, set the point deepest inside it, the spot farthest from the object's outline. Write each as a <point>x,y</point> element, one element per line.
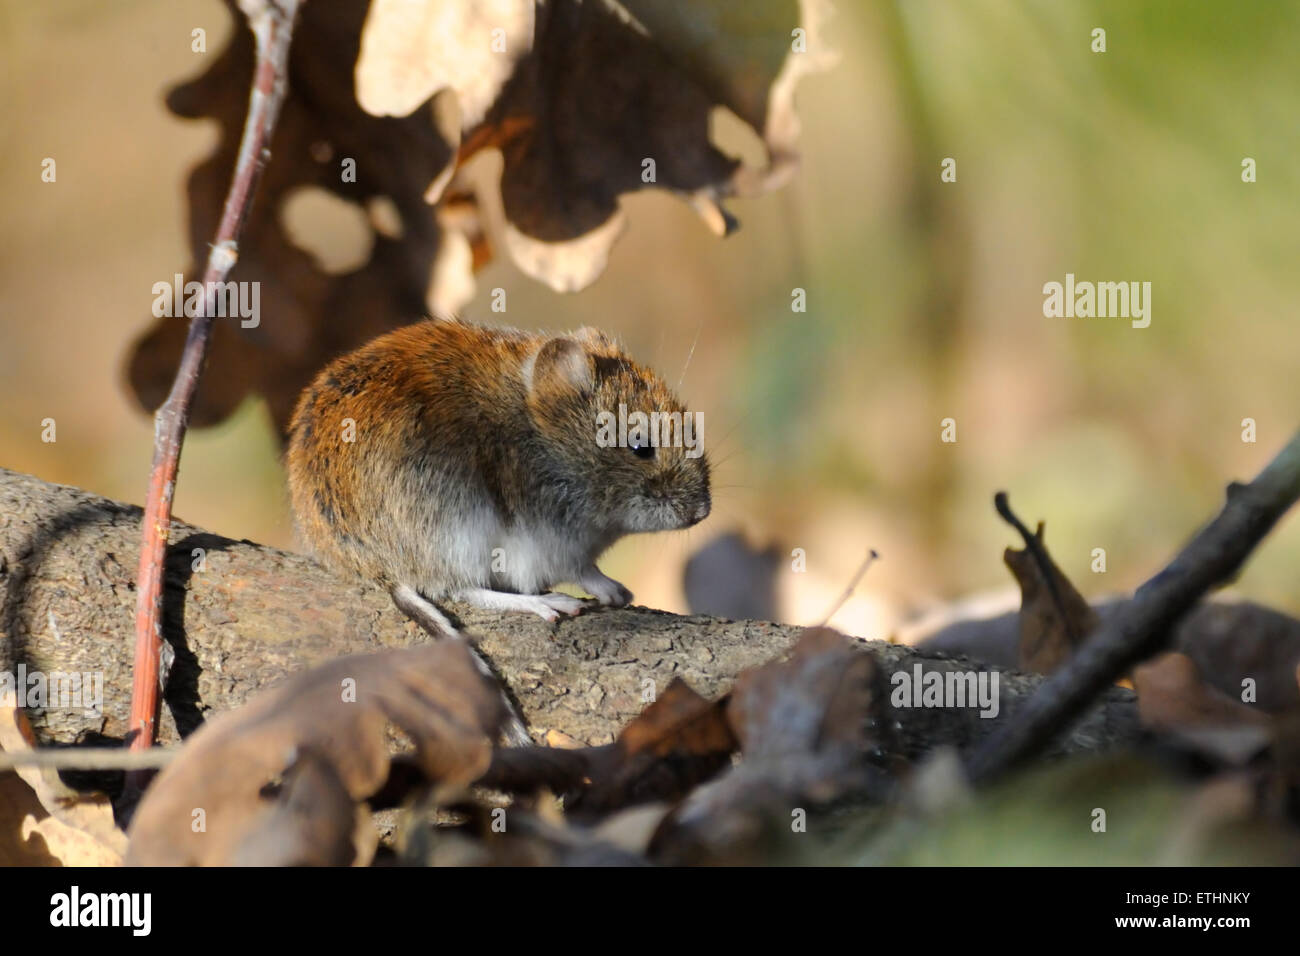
<point>550,606</point>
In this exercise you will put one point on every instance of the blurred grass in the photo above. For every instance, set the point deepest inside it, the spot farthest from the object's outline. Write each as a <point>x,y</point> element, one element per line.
<point>924,299</point>
<point>1116,810</point>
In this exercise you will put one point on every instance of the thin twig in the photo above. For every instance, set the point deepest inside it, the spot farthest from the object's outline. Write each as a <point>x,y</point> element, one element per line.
<point>853,585</point>
<point>89,758</point>
<point>271,22</point>
<point>1143,627</point>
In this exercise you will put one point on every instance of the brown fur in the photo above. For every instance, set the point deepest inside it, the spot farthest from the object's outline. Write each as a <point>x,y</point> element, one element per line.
<point>447,428</point>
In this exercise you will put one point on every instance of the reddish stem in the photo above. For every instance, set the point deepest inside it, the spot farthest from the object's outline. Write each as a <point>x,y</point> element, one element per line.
<point>272,24</point>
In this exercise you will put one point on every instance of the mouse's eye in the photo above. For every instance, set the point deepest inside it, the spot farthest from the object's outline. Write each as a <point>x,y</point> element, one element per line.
<point>641,450</point>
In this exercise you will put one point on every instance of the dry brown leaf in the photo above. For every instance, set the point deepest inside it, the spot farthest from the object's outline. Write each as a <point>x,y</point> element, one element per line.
<point>308,315</point>
<point>43,822</point>
<point>1172,695</point>
<point>1231,641</point>
<point>813,728</point>
<point>828,696</point>
<point>1174,700</point>
<point>284,762</point>
<point>313,821</point>
<point>678,741</point>
<point>410,51</point>
<point>607,87</point>
<point>1054,617</point>
<point>579,96</point>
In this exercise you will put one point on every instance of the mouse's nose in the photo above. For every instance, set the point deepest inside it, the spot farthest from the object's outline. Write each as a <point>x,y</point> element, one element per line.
<point>702,510</point>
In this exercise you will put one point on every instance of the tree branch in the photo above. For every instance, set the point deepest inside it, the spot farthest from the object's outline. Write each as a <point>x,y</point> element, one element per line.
<point>241,616</point>
<point>272,24</point>
<point>1144,626</point>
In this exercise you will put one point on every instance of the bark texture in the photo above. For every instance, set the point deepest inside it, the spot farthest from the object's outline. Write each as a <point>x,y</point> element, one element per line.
<point>241,616</point>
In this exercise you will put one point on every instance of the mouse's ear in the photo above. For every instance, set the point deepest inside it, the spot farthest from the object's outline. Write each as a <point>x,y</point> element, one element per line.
<point>562,366</point>
<point>596,339</point>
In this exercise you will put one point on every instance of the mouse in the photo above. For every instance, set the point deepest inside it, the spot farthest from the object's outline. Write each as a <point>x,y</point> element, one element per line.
<point>451,461</point>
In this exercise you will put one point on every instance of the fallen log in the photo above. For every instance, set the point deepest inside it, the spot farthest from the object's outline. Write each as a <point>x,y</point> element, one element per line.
<point>241,616</point>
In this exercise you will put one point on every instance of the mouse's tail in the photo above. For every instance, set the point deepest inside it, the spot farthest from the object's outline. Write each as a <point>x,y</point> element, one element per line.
<point>426,614</point>
<point>423,612</point>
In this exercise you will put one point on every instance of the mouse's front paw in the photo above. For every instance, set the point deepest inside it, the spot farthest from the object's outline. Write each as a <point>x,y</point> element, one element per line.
<point>606,590</point>
<point>617,596</point>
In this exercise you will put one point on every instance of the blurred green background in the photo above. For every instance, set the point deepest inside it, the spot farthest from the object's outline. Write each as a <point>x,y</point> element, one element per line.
<point>924,298</point>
